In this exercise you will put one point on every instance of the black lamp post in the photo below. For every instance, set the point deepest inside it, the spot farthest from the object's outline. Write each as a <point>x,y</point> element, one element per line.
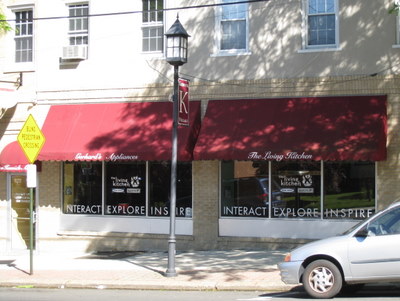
<point>177,50</point>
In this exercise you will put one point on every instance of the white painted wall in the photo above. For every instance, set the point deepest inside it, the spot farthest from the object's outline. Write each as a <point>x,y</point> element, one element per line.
<point>282,228</point>
<point>105,224</point>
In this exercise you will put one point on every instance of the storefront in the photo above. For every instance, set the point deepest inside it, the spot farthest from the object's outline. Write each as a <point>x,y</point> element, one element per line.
<point>115,166</point>
<point>288,168</point>
<point>295,167</point>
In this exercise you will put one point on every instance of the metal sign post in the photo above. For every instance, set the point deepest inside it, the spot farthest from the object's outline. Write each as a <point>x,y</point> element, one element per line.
<point>31,183</point>
<point>31,140</point>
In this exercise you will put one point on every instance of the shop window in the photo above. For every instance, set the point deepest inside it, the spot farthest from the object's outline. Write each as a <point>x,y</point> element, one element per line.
<point>82,188</point>
<point>300,186</point>
<point>125,189</point>
<point>245,189</point>
<point>159,190</point>
<point>130,189</point>
<point>349,190</point>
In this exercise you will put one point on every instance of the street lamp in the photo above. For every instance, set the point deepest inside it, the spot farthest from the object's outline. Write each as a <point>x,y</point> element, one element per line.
<point>177,50</point>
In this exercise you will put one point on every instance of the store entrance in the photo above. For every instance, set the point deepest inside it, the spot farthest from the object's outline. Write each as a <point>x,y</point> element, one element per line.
<point>20,212</point>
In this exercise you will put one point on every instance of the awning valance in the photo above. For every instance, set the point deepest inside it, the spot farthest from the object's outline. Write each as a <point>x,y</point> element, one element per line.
<point>116,132</point>
<point>316,128</point>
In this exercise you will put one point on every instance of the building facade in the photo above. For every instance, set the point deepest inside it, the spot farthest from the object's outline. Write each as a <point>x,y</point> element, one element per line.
<point>293,135</point>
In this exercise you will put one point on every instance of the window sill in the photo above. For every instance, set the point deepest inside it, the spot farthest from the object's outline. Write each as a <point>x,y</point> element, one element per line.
<point>307,50</point>
<point>396,46</point>
<point>231,53</point>
<point>153,54</point>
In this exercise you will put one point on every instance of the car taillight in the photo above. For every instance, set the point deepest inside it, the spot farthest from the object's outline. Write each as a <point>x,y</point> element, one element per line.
<point>263,198</point>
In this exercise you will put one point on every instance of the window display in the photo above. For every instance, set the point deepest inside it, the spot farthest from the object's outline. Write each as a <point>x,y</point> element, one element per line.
<point>245,189</point>
<point>348,190</point>
<point>126,189</point>
<point>130,189</point>
<point>159,190</point>
<point>82,188</point>
<point>300,186</point>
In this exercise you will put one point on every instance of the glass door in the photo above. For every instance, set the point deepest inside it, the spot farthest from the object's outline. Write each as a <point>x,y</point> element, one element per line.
<point>20,212</point>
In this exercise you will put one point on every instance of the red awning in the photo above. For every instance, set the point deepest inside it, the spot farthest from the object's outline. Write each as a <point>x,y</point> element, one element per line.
<point>116,132</point>
<point>318,128</point>
<point>13,159</point>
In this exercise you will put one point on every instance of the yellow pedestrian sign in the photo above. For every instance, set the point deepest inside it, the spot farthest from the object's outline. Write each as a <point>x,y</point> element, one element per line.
<point>31,139</point>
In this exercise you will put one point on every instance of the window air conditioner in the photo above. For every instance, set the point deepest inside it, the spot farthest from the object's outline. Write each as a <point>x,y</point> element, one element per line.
<point>75,52</point>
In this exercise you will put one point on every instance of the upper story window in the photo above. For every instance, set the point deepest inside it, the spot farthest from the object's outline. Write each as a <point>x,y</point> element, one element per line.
<point>322,27</point>
<point>153,26</point>
<point>24,36</point>
<point>78,31</point>
<point>232,27</point>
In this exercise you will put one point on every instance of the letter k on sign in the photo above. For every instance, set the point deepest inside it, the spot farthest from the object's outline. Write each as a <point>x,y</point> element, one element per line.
<point>183,114</point>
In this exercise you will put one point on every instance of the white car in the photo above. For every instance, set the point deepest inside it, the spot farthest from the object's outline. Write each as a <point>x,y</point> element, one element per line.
<point>368,252</point>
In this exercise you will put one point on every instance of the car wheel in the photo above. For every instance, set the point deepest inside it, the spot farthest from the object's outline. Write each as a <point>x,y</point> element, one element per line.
<point>322,279</point>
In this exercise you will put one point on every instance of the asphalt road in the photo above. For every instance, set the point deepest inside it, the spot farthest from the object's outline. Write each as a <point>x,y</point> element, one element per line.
<point>32,294</point>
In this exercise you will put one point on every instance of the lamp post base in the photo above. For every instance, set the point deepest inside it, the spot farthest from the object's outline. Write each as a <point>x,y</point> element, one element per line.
<point>171,272</point>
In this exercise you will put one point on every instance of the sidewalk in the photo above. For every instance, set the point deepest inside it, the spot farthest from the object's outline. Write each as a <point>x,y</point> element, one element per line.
<point>200,270</point>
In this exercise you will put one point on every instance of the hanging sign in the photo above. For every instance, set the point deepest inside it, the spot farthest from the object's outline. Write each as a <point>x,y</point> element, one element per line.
<point>183,114</point>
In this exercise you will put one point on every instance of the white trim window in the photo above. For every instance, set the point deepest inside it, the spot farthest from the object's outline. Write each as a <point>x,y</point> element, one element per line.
<point>321,24</point>
<point>232,27</point>
<point>24,36</point>
<point>78,29</point>
<point>152,26</point>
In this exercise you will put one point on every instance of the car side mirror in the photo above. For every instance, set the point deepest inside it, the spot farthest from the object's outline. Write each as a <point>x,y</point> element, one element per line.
<point>363,232</point>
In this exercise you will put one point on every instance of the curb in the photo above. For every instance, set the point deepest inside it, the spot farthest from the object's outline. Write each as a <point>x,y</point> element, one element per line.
<point>147,286</point>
